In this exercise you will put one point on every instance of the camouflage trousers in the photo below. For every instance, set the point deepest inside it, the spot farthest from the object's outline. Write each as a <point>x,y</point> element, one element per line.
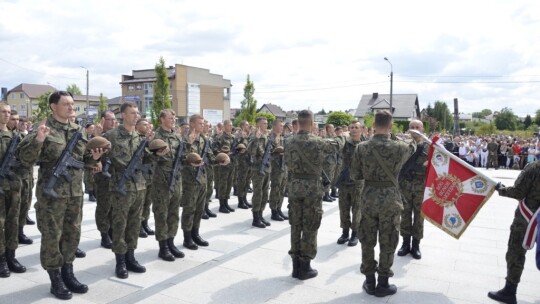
<point>349,206</point>
<point>88,178</point>
<point>277,187</point>
<point>243,178</point>
<point>515,254</point>
<point>380,211</point>
<point>492,161</point>
<point>223,176</point>
<point>59,221</point>
<point>27,184</point>
<point>166,205</point>
<point>10,203</point>
<point>412,221</point>
<point>126,220</point>
<point>103,205</point>
<point>329,169</point>
<point>337,171</point>
<point>193,201</point>
<point>148,202</point>
<point>305,215</point>
<point>260,191</point>
<point>210,174</point>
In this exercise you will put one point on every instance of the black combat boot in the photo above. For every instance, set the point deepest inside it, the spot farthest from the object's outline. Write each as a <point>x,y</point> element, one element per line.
<point>383,288</point>
<point>164,252</point>
<point>23,239</point>
<point>369,284</point>
<point>505,295</point>
<point>132,264</point>
<point>58,288</point>
<point>79,253</point>
<point>91,196</point>
<point>12,263</point>
<point>353,241</point>
<point>275,216</point>
<point>226,201</point>
<point>142,233</point>
<point>4,269</point>
<point>222,207</point>
<point>204,216</point>
<point>197,239</point>
<point>208,211</point>
<point>121,270</point>
<point>173,249</point>
<point>334,193</point>
<point>405,247</point>
<point>241,203</point>
<point>235,193</point>
<point>264,221</point>
<point>257,221</point>
<point>71,281</point>
<point>249,190</point>
<point>327,198</point>
<point>344,237</point>
<point>246,201</point>
<point>295,267</point>
<point>305,271</point>
<point>106,241</point>
<point>188,241</point>
<point>415,249</point>
<point>147,228</point>
<point>29,221</point>
<point>281,214</point>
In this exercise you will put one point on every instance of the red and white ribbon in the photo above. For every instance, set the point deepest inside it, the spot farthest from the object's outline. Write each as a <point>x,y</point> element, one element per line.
<point>532,227</point>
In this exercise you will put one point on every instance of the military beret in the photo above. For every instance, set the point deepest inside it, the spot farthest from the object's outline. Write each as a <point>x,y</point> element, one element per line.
<point>222,157</point>
<point>193,158</point>
<point>98,142</point>
<point>157,144</point>
<point>279,149</point>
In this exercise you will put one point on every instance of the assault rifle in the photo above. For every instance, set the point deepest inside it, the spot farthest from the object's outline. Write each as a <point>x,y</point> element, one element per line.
<point>325,180</point>
<point>201,169</point>
<point>265,164</point>
<point>9,161</point>
<point>63,164</point>
<point>344,177</point>
<point>107,164</point>
<point>135,165</point>
<point>177,165</point>
<point>411,166</point>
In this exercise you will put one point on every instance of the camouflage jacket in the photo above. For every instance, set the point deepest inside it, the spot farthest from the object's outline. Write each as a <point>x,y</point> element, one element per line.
<point>174,141</point>
<point>277,159</point>
<point>526,186</point>
<point>256,148</point>
<point>5,140</point>
<point>414,169</point>
<point>47,153</point>
<point>348,152</point>
<point>189,173</point>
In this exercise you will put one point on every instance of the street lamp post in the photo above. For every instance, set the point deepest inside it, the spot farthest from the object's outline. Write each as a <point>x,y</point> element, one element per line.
<point>87,97</point>
<point>391,84</point>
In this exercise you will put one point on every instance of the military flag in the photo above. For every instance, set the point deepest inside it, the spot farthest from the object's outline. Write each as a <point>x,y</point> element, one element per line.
<point>454,191</point>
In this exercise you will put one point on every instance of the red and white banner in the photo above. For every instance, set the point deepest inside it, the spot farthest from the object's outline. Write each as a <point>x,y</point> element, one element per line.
<point>454,191</point>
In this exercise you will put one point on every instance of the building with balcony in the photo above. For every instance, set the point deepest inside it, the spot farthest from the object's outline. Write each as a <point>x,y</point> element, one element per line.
<point>193,91</point>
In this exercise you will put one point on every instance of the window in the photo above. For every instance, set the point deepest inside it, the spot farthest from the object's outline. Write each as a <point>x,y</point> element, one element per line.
<point>21,95</point>
<point>23,107</point>
<point>131,87</point>
<point>148,89</point>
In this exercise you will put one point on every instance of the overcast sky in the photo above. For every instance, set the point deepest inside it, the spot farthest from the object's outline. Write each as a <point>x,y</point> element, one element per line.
<point>316,54</point>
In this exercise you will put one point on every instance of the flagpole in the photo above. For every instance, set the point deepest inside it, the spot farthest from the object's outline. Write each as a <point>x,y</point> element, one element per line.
<point>455,157</point>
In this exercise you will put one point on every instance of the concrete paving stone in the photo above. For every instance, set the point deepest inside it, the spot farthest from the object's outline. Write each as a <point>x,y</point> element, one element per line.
<point>162,299</point>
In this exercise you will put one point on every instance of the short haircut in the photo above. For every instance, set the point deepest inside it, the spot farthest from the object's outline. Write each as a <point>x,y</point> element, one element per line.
<point>305,117</point>
<point>328,126</point>
<point>195,117</point>
<point>106,112</point>
<point>166,112</point>
<point>14,112</point>
<point>55,96</point>
<point>295,122</point>
<point>88,125</point>
<point>141,120</point>
<point>243,123</point>
<point>383,119</point>
<point>126,105</point>
<point>354,122</point>
<point>276,122</point>
<point>260,118</point>
<point>227,122</point>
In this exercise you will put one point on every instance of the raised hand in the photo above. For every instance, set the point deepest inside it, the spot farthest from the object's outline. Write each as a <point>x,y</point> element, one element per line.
<point>42,131</point>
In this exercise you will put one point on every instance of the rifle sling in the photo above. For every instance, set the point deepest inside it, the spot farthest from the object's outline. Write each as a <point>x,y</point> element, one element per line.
<point>385,168</point>
<point>306,160</point>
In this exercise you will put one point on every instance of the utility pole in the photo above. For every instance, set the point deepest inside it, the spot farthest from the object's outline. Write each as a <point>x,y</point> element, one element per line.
<point>87,94</point>
<point>391,84</point>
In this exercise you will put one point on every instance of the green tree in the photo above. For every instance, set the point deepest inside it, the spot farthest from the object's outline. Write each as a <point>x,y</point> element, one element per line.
<point>429,110</point>
<point>321,112</point>
<point>485,129</point>
<point>506,120</point>
<point>102,108</point>
<point>339,119</point>
<point>527,122</point>
<point>43,109</point>
<point>443,115</point>
<point>369,119</point>
<point>269,117</point>
<point>73,89</point>
<point>482,114</point>
<point>537,117</point>
<point>248,106</point>
<point>162,94</point>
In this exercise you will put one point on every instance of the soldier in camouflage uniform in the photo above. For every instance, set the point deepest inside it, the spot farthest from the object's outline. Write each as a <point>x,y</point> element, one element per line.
<point>304,157</point>
<point>411,183</point>
<point>261,173</point>
<point>493,158</point>
<point>143,128</point>
<point>277,174</point>
<point>526,189</point>
<point>103,214</point>
<point>340,139</point>
<point>210,174</point>
<point>166,205</point>
<point>126,208</point>
<point>89,183</point>
<point>380,203</point>
<point>349,190</point>
<point>242,163</point>
<point>10,203</point>
<point>58,219</point>
<point>224,174</point>
<point>329,165</point>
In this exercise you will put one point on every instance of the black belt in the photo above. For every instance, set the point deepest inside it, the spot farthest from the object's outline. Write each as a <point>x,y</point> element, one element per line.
<point>379,184</point>
<point>305,176</point>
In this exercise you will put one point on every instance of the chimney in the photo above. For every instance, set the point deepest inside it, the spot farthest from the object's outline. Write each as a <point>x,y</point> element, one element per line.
<point>375,95</point>
<point>4,94</point>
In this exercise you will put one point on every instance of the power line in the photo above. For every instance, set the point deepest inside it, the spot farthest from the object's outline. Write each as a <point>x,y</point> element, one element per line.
<point>38,72</point>
<point>468,82</point>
